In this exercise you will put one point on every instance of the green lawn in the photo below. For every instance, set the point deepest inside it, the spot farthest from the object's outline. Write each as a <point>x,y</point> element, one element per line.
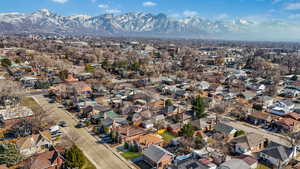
<point>261,166</point>
<point>130,155</point>
<point>88,165</point>
<point>167,136</point>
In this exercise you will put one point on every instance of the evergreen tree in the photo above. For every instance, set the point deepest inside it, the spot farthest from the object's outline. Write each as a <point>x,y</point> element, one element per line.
<point>74,157</point>
<point>188,130</point>
<point>5,62</point>
<point>198,107</point>
<point>9,154</point>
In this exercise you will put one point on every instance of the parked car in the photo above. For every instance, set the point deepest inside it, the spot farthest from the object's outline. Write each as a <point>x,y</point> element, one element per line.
<point>51,101</point>
<point>62,124</point>
<point>79,125</point>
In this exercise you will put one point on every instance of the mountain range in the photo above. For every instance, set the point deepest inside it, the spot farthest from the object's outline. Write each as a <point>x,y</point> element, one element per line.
<point>146,24</point>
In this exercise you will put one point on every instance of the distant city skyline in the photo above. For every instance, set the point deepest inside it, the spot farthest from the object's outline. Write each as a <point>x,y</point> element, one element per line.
<point>255,10</point>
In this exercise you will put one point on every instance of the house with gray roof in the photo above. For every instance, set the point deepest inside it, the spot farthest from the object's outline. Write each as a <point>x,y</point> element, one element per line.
<point>248,143</point>
<point>277,155</point>
<point>234,164</point>
<point>157,156</point>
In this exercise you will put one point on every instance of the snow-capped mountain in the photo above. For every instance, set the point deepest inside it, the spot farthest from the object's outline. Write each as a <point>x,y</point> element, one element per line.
<point>145,24</point>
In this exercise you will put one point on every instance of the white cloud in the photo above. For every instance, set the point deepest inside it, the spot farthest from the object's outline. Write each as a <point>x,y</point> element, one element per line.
<point>113,11</point>
<point>60,1</point>
<point>103,6</point>
<point>149,4</point>
<point>189,13</point>
<point>293,6</point>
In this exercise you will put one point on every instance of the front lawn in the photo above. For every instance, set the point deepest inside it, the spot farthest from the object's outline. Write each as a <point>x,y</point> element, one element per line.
<point>130,155</point>
<point>88,165</point>
<point>261,166</point>
<point>167,136</point>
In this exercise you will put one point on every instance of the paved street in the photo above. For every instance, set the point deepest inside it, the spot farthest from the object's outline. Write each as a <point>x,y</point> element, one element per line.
<point>98,154</point>
<point>271,136</point>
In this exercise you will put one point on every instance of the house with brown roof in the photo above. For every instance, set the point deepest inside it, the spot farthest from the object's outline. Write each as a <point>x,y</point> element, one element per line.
<point>146,141</point>
<point>3,167</point>
<point>129,133</point>
<point>287,124</point>
<point>34,143</point>
<point>46,160</point>
<point>259,118</point>
<point>248,143</point>
<point>293,115</point>
<point>65,90</point>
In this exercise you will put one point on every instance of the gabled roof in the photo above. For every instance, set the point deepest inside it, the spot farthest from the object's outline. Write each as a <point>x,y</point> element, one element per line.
<point>234,164</point>
<point>224,128</point>
<point>278,151</point>
<point>249,140</point>
<point>44,160</point>
<point>156,153</point>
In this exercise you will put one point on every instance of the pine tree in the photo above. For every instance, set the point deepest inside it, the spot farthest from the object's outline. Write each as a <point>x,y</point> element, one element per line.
<point>9,154</point>
<point>198,107</point>
<point>74,157</point>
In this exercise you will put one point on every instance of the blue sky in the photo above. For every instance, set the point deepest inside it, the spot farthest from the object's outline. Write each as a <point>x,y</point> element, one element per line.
<point>210,9</point>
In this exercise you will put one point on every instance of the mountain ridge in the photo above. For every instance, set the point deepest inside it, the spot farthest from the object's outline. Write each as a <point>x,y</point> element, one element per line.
<point>127,24</point>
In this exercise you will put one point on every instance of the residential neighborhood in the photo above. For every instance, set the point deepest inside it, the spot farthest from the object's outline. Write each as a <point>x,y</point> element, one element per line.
<point>116,103</point>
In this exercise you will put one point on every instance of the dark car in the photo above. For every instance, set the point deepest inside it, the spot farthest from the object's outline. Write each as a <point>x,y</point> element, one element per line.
<point>79,125</point>
<point>51,101</point>
<point>62,124</point>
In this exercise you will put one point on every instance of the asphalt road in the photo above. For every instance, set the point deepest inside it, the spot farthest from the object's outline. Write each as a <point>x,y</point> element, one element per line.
<point>100,155</point>
<point>271,136</point>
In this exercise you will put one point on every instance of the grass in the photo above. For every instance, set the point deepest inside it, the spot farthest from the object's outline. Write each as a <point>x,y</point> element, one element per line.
<point>88,165</point>
<point>167,136</point>
<point>261,166</point>
<point>130,155</point>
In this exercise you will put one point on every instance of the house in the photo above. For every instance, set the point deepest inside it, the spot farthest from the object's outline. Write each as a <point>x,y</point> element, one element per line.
<point>28,81</point>
<point>14,115</point>
<point>259,118</point>
<point>3,167</point>
<point>46,160</point>
<point>203,85</point>
<point>234,163</point>
<point>225,130</point>
<point>147,124</point>
<point>281,107</point>
<point>157,157</point>
<point>277,155</point>
<point>175,128</point>
<point>158,118</point>
<point>248,143</point>
<point>248,95</point>
<point>287,125</point>
<point>251,161</point>
<point>265,101</point>
<point>203,124</point>
<point>146,141</point>
<point>129,133</point>
<point>293,115</point>
<point>191,163</point>
<point>170,110</point>
<point>35,143</point>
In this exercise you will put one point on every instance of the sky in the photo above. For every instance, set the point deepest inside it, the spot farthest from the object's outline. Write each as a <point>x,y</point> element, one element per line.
<point>210,9</point>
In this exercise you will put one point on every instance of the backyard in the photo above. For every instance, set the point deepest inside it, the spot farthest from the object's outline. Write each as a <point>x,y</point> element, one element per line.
<point>167,136</point>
